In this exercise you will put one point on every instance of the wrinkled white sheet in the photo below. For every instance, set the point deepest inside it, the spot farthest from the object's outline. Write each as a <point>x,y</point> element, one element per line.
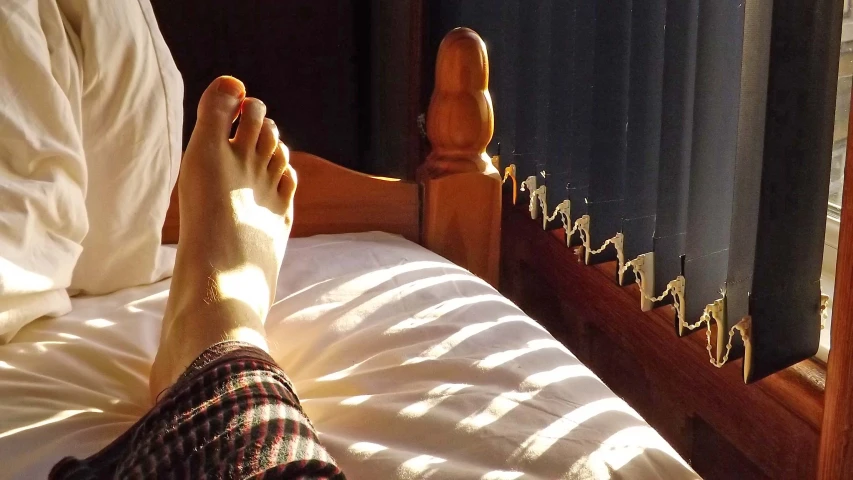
<point>409,367</point>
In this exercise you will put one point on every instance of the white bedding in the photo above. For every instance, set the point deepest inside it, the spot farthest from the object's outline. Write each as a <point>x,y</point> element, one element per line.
<point>409,367</point>
<point>74,73</point>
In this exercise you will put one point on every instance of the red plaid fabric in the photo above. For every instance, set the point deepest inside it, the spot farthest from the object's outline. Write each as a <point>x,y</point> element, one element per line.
<point>233,414</point>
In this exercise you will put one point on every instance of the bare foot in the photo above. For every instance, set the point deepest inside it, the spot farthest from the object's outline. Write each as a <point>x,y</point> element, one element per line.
<point>236,208</point>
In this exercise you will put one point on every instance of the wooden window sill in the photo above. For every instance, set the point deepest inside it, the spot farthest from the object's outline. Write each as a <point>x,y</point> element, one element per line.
<point>774,423</point>
<point>799,388</point>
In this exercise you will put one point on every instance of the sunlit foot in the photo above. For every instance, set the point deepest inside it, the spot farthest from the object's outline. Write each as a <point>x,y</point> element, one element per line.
<point>235,198</point>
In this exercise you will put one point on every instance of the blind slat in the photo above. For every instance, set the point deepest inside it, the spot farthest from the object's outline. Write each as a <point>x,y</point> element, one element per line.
<point>532,92</point>
<point>676,143</point>
<point>794,188</point>
<point>609,120</point>
<point>715,132</point>
<point>644,127</point>
<point>746,187</point>
<point>504,83</point>
<point>558,157</point>
<point>581,92</point>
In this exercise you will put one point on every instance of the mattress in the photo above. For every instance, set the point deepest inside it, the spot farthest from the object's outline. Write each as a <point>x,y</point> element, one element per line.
<point>409,367</point>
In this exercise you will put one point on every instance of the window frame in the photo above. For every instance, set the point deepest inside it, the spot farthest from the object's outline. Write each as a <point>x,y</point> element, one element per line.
<point>827,274</point>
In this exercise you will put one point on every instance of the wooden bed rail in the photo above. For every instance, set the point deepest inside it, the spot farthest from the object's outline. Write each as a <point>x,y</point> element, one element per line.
<point>333,199</point>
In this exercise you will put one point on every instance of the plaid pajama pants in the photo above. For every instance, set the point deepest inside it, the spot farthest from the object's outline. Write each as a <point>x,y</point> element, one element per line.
<point>233,414</point>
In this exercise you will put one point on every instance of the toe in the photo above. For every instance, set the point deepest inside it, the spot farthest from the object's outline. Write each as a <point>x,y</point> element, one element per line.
<point>219,105</point>
<point>251,122</point>
<point>267,139</point>
<point>278,162</point>
<point>287,181</point>
<point>287,189</point>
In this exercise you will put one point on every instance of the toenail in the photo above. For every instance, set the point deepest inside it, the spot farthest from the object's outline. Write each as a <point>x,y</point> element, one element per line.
<point>229,88</point>
<point>254,107</point>
<point>272,126</point>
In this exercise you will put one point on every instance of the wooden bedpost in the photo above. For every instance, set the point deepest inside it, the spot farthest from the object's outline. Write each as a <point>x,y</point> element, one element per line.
<point>835,460</point>
<point>462,189</point>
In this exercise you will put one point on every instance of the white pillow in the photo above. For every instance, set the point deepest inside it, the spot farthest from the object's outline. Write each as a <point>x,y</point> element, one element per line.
<point>42,169</point>
<point>90,140</point>
<point>132,112</point>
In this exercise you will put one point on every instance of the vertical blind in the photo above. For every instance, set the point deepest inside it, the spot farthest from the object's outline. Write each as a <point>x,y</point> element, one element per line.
<point>676,142</point>
<point>688,140</point>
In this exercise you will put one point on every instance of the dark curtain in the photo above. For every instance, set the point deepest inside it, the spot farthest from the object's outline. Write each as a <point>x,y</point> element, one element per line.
<point>337,76</point>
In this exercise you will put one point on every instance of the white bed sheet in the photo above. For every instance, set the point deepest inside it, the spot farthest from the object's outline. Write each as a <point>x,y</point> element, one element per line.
<point>409,367</point>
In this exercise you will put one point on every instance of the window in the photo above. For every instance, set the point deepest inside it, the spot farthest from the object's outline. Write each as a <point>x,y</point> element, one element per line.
<point>839,150</point>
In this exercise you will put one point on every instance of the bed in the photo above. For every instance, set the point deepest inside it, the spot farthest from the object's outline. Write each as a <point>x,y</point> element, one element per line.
<point>405,356</point>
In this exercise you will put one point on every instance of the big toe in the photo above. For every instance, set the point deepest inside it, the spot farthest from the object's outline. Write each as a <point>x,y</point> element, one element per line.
<point>219,105</point>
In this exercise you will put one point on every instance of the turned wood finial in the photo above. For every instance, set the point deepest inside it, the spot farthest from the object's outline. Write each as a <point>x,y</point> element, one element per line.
<point>460,119</point>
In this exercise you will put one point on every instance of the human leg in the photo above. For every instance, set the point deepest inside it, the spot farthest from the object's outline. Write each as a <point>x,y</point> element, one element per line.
<point>236,210</point>
<point>227,409</point>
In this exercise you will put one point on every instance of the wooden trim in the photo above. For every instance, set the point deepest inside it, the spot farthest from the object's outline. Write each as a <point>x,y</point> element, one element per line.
<point>835,460</point>
<point>462,221</point>
<point>774,423</point>
<point>333,199</point>
<point>463,190</point>
<point>460,118</point>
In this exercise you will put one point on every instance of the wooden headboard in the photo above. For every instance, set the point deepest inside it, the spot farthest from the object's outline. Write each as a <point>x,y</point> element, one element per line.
<point>454,208</point>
